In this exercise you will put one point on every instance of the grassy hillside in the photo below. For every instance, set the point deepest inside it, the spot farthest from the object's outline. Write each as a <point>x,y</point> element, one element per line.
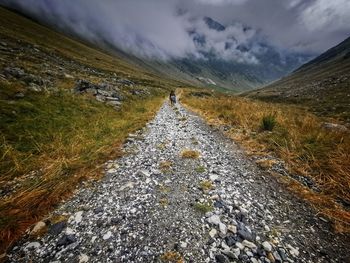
<point>323,84</point>
<point>52,139</point>
<point>293,135</point>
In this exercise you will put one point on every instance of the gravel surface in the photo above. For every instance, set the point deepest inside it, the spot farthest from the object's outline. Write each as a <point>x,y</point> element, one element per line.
<point>154,205</point>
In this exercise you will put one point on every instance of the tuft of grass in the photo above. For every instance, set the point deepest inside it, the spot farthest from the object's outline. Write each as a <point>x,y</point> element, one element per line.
<point>190,154</point>
<point>164,202</point>
<point>164,189</point>
<point>194,141</point>
<point>200,169</point>
<point>172,257</point>
<point>206,185</point>
<point>162,146</point>
<point>204,207</point>
<point>298,140</point>
<point>165,166</point>
<point>268,122</point>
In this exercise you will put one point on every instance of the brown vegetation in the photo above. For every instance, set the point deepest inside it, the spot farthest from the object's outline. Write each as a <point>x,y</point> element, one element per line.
<point>190,154</point>
<point>297,137</point>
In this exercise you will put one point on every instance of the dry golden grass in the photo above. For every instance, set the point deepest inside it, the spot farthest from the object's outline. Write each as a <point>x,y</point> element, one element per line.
<point>297,138</point>
<point>165,165</point>
<point>65,139</point>
<point>190,154</point>
<point>265,163</point>
<point>172,257</point>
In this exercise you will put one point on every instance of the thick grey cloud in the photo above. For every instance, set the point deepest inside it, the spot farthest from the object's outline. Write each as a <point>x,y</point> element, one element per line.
<point>310,26</point>
<point>169,29</point>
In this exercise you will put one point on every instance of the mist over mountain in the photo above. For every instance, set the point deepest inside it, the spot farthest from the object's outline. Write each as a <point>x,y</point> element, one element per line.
<point>171,37</point>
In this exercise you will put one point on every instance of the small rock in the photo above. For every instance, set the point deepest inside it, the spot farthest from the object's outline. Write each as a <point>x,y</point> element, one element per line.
<point>214,219</point>
<point>32,245</point>
<point>66,240</point>
<point>277,256</point>
<point>249,244</point>
<point>267,246</point>
<point>19,95</point>
<point>244,233</point>
<point>293,251</point>
<point>230,254</point>
<point>237,252</point>
<point>108,235</point>
<point>98,210</point>
<point>78,217</point>
<point>213,177</point>
<point>57,228</point>
<point>83,258</point>
<point>271,257</point>
<point>282,253</point>
<point>219,204</point>
<point>38,227</point>
<point>183,244</point>
<point>127,185</point>
<point>67,76</point>
<point>334,127</point>
<point>213,233</point>
<point>223,228</point>
<point>240,245</point>
<point>232,229</point>
<point>230,240</point>
<point>221,258</point>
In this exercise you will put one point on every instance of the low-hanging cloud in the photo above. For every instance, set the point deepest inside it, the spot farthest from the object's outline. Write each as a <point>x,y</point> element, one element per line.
<point>154,29</point>
<point>176,29</point>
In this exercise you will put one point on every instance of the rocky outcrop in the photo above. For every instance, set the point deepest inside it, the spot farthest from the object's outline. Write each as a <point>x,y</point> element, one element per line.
<point>103,92</point>
<point>32,82</point>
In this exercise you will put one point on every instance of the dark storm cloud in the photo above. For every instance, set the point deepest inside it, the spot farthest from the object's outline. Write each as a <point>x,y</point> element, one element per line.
<point>164,29</point>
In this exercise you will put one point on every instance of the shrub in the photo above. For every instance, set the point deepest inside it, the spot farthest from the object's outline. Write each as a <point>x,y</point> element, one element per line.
<point>268,122</point>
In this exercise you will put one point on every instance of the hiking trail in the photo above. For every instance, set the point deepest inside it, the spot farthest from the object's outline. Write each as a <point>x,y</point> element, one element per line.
<point>153,206</point>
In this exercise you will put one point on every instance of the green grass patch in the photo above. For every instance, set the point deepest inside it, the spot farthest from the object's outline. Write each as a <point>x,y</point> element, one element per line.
<point>200,169</point>
<point>204,207</point>
<point>65,138</point>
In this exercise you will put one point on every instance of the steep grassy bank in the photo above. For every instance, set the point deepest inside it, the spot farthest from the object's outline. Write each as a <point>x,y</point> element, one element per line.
<point>52,139</point>
<point>50,142</point>
<point>293,135</point>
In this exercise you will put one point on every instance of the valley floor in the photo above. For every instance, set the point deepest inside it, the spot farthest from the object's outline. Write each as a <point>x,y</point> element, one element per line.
<point>156,205</point>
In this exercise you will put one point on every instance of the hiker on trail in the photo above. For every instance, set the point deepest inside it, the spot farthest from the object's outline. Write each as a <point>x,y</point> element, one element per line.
<point>172,98</point>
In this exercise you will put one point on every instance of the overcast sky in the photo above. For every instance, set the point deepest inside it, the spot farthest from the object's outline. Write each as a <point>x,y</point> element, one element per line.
<point>161,28</point>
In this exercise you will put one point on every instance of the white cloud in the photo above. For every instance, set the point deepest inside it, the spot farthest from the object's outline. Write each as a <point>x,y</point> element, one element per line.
<point>292,3</point>
<point>221,2</point>
<point>327,15</point>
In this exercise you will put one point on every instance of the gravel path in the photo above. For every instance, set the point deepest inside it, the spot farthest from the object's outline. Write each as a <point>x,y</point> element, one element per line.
<point>156,206</point>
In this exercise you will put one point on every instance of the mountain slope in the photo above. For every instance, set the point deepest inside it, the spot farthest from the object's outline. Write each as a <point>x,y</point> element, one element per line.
<point>323,84</point>
<point>65,108</point>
